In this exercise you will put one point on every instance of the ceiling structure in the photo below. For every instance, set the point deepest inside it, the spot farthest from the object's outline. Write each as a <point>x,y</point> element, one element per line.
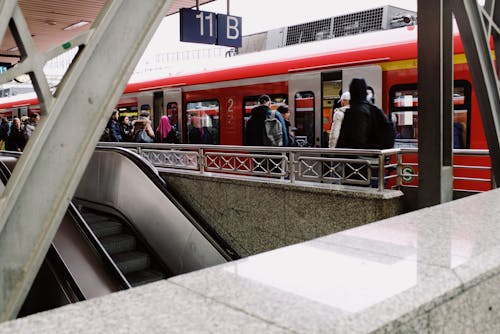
<point>48,18</point>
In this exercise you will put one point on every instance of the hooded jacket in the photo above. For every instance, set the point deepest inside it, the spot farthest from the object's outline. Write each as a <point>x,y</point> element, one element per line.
<point>355,130</point>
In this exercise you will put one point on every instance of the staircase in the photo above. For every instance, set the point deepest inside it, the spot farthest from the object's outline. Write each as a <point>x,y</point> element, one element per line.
<point>130,254</point>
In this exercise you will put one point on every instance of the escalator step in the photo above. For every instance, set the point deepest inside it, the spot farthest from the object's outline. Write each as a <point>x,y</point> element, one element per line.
<point>106,228</point>
<point>119,243</point>
<point>92,217</point>
<point>144,277</point>
<point>129,262</point>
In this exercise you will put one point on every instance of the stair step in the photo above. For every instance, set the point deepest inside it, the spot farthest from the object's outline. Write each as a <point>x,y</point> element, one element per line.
<point>91,217</point>
<point>129,262</point>
<point>119,243</point>
<point>106,228</point>
<point>144,277</point>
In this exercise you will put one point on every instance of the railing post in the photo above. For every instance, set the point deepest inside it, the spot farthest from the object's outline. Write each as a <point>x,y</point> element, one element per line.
<point>399,169</point>
<point>201,160</point>
<point>381,171</point>
<point>291,167</point>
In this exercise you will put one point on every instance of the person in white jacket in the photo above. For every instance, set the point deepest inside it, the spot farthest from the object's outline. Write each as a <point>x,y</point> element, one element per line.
<point>338,117</point>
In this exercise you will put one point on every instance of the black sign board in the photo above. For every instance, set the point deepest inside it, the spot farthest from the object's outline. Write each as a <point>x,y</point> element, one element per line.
<point>209,28</point>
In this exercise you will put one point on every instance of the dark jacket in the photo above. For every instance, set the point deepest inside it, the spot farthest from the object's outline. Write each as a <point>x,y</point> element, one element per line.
<point>170,138</point>
<point>127,132</point>
<point>255,127</point>
<point>16,140</point>
<point>355,130</point>
<point>114,130</point>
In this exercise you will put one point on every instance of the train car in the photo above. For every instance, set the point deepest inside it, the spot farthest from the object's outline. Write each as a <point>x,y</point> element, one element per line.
<point>216,98</point>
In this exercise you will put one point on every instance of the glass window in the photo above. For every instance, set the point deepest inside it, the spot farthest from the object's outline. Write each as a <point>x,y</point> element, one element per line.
<point>304,118</point>
<point>404,114</point>
<point>202,121</point>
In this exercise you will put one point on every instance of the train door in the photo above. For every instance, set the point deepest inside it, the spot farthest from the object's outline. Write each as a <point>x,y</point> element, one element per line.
<point>172,98</point>
<point>304,91</point>
<point>157,108</point>
<point>334,83</point>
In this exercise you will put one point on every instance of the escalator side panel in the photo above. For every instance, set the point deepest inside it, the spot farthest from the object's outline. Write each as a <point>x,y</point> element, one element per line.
<point>88,271</point>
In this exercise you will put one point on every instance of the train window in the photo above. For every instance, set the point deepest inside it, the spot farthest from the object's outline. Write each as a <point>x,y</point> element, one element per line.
<point>129,111</point>
<point>404,114</point>
<point>202,121</point>
<point>304,118</point>
<point>249,102</point>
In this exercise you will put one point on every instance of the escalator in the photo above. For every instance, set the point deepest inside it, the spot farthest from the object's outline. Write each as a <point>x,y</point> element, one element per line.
<point>122,229</point>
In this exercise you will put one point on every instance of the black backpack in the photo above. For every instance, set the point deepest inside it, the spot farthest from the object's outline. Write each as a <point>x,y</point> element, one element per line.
<point>382,132</point>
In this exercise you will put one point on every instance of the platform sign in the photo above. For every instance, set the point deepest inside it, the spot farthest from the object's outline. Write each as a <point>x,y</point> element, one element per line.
<point>229,30</point>
<point>210,28</point>
<point>198,26</point>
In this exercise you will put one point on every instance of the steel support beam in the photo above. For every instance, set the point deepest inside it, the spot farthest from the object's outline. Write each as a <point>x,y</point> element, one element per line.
<point>476,45</point>
<point>435,107</point>
<point>55,158</point>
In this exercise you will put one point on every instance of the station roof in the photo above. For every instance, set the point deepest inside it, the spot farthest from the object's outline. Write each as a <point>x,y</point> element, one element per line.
<point>48,18</point>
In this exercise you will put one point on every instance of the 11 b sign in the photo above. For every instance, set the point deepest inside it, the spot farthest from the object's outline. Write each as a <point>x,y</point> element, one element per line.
<point>210,28</point>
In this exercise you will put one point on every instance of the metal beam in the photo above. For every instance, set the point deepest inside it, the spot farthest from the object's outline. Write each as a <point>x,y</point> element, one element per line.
<point>55,158</point>
<point>493,18</point>
<point>480,61</point>
<point>435,107</point>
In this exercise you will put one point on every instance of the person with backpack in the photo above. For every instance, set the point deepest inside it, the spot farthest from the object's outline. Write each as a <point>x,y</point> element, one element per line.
<point>265,127</point>
<point>143,130</point>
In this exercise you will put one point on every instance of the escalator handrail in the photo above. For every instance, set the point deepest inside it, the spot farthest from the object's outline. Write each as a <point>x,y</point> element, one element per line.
<point>104,255</point>
<point>5,172</point>
<point>195,219</point>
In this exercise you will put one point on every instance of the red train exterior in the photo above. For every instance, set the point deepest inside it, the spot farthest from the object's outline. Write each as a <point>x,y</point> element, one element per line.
<point>309,78</point>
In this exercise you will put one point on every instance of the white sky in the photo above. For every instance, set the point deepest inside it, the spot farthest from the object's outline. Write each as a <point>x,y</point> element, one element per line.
<point>263,15</point>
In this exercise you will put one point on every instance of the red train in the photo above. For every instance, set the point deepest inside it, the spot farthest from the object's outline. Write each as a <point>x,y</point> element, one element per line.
<point>218,97</point>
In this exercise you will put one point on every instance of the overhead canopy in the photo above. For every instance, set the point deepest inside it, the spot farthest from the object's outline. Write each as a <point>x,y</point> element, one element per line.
<point>47,20</point>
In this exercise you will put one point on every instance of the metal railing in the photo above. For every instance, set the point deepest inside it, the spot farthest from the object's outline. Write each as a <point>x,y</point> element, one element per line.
<point>399,166</point>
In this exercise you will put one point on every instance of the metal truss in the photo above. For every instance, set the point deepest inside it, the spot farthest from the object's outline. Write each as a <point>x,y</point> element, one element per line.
<point>477,26</point>
<point>46,176</point>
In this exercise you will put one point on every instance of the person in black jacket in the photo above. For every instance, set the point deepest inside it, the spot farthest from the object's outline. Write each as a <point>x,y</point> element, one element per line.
<point>16,139</point>
<point>255,127</point>
<point>355,129</point>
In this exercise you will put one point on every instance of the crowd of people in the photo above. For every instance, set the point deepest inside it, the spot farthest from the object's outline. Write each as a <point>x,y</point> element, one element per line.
<point>15,134</point>
<point>120,129</point>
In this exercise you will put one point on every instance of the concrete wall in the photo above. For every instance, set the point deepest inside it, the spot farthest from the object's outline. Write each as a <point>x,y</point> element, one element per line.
<point>255,215</point>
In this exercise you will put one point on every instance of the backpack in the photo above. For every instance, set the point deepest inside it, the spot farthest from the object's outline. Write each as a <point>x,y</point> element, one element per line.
<point>382,130</point>
<point>273,135</point>
<point>106,135</point>
<point>143,137</point>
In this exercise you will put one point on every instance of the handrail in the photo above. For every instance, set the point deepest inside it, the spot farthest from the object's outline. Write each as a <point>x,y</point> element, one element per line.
<point>357,167</point>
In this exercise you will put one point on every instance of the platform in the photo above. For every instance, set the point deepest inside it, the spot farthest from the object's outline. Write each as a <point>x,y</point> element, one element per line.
<point>433,270</point>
